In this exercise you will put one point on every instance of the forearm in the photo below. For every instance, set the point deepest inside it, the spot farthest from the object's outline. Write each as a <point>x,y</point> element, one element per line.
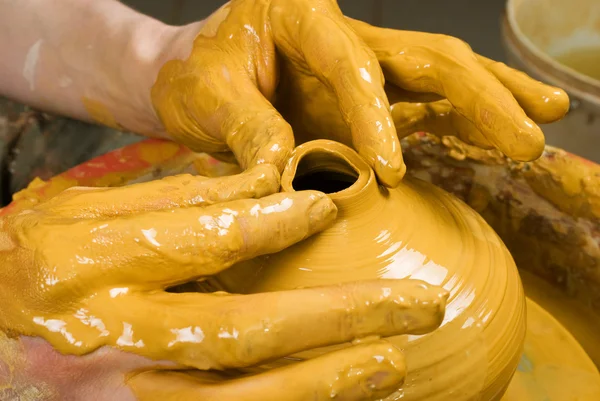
<point>93,60</point>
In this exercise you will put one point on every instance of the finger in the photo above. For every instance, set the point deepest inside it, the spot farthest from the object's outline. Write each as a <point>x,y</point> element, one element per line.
<point>543,103</point>
<point>422,62</point>
<point>363,372</point>
<point>224,111</point>
<point>235,331</point>
<point>255,132</point>
<point>168,193</point>
<point>161,248</point>
<point>475,94</point>
<point>341,60</point>
<point>438,118</point>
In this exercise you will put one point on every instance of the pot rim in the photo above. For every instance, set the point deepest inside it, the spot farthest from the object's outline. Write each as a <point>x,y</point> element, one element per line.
<point>546,67</point>
<point>334,150</point>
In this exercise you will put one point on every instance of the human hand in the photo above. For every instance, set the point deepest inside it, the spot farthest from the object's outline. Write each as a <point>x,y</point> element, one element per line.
<point>485,103</point>
<point>255,59</point>
<point>225,94</point>
<point>85,273</point>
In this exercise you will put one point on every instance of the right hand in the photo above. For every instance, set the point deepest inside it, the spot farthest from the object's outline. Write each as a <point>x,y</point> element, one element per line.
<point>85,273</point>
<point>325,74</point>
<point>222,96</point>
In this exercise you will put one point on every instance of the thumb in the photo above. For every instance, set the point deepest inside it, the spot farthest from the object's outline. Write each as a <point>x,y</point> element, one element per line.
<point>219,109</point>
<point>255,132</point>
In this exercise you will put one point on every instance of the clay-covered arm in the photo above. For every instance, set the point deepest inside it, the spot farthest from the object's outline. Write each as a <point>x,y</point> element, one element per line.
<point>88,59</point>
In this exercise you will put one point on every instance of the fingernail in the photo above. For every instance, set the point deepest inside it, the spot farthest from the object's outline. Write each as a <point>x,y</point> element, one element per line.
<point>390,174</point>
<point>321,213</point>
<point>530,145</point>
<point>389,169</point>
<point>391,372</point>
<point>265,180</point>
<point>383,372</point>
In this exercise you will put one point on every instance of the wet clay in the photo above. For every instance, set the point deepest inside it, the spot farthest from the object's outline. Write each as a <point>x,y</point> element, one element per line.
<point>582,322</point>
<point>417,64</point>
<point>100,113</point>
<point>325,74</point>
<point>568,182</point>
<point>414,231</point>
<point>90,267</point>
<point>331,376</point>
<point>243,53</point>
<point>553,367</point>
<point>547,211</point>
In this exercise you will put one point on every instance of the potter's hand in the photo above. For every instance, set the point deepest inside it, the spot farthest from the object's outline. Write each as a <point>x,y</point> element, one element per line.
<point>487,103</point>
<point>89,268</point>
<point>222,96</point>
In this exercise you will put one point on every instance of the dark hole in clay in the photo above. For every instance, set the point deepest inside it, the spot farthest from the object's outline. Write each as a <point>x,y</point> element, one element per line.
<point>324,172</point>
<point>324,181</point>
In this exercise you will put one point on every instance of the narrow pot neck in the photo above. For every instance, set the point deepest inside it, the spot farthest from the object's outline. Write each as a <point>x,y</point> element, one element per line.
<point>335,169</point>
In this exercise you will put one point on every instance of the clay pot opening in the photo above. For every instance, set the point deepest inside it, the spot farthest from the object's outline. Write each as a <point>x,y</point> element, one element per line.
<point>335,176</point>
<point>325,166</point>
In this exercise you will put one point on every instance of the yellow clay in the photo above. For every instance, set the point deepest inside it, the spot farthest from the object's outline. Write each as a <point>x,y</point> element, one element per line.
<point>89,268</point>
<point>378,366</point>
<point>488,104</point>
<point>100,113</point>
<point>260,68</point>
<point>582,322</point>
<point>553,367</point>
<point>221,97</point>
<point>414,231</point>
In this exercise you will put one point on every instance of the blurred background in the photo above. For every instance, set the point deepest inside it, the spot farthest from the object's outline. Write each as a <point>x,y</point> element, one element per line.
<point>475,21</point>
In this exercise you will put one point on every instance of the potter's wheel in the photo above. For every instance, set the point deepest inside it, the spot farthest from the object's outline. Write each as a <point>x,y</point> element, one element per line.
<point>554,366</point>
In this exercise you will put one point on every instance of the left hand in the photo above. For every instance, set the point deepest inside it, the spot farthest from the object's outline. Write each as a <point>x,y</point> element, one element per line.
<point>255,59</point>
<point>85,283</point>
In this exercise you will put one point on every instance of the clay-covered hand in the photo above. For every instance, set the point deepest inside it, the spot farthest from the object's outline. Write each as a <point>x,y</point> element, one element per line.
<point>484,103</point>
<point>87,273</point>
<point>258,66</point>
<point>227,93</point>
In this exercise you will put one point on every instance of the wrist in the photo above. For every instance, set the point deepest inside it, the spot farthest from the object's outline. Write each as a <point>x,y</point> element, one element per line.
<point>151,45</point>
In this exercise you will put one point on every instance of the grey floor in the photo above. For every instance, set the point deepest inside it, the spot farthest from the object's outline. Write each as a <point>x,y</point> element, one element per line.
<point>475,21</point>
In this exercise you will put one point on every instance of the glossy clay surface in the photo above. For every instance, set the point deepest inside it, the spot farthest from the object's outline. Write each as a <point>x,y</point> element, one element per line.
<point>554,366</point>
<point>414,231</point>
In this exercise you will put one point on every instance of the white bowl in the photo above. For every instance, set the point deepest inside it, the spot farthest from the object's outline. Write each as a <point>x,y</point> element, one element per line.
<point>535,34</point>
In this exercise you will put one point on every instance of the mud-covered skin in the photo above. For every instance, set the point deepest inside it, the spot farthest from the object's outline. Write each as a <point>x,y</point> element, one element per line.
<point>32,370</point>
<point>341,129</point>
<point>221,97</point>
<point>490,183</point>
<point>263,75</point>
<point>85,272</point>
<point>487,103</point>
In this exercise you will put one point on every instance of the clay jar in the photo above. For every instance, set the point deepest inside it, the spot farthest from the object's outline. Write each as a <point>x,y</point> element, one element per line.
<point>413,231</point>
